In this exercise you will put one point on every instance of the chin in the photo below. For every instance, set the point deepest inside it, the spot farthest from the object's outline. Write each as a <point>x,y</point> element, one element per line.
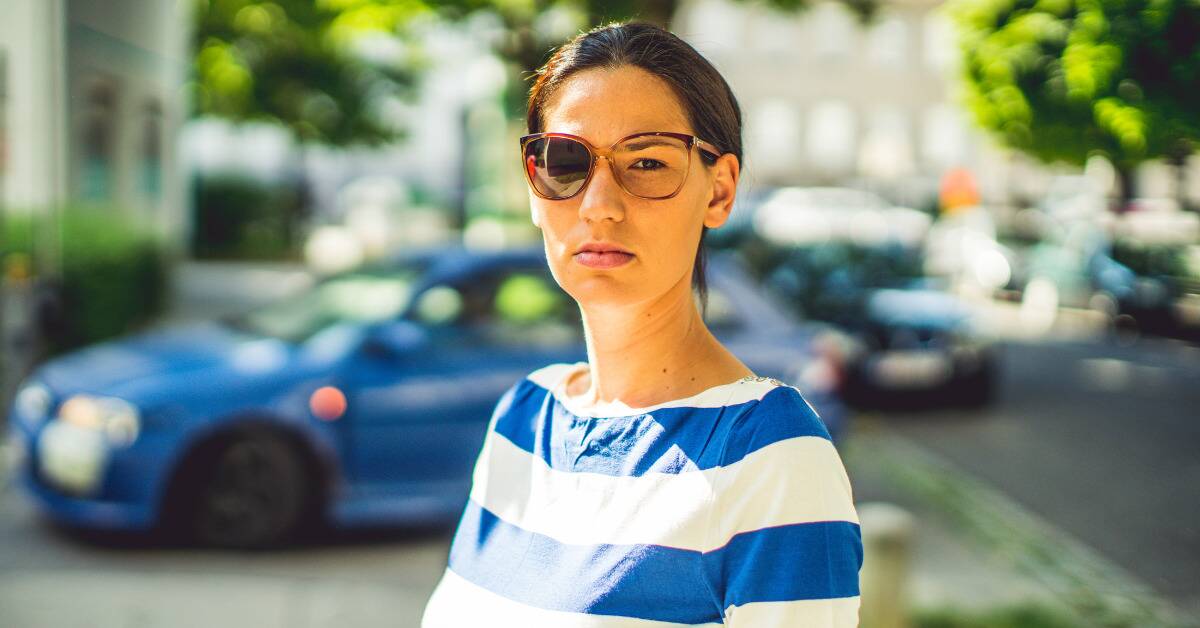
<point>591,287</point>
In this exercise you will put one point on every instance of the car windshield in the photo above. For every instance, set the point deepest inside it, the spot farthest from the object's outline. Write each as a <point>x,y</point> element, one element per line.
<point>365,296</point>
<point>828,281</point>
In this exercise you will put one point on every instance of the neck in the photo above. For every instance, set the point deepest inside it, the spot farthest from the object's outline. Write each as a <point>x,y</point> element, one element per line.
<point>647,353</point>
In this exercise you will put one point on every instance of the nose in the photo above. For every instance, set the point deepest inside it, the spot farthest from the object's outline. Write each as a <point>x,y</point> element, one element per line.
<point>602,198</point>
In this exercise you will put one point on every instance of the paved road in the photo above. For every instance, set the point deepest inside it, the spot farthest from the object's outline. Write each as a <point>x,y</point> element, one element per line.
<point>1103,441</point>
<point>51,579</point>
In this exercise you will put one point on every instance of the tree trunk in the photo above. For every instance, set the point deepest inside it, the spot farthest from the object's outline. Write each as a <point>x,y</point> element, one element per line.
<point>1126,176</point>
<point>1179,161</point>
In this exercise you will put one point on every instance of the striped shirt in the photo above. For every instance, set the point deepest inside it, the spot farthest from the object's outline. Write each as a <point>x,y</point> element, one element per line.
<point>730,507</point>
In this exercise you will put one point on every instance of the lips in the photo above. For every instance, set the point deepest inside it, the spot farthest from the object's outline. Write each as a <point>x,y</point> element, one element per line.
<point>598,255</point>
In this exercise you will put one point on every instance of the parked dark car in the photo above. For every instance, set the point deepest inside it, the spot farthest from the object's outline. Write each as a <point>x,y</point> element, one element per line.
<point>1150,287</point>
<point>916,344</point>
<point>361,401</point>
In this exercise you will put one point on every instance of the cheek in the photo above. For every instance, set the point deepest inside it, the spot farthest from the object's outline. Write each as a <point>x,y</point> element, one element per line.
<point>554,221</point>
<point>672,233</point>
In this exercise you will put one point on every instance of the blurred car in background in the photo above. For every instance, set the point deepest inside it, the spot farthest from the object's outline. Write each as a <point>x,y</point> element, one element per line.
<point>1150,287</point>
<point>361,401</point>
<point>848,258</point>
<point>916,344</point>
<point>1140,270</point>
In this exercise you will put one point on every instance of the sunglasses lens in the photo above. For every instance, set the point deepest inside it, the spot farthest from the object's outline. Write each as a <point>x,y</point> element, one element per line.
<point>557,166</point>
<point>652,166</point>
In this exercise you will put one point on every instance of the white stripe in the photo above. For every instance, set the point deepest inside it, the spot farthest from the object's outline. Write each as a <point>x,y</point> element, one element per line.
<point>549,376</point>
<point>839,612</point>
<point>797,480</point>
<point>734,393</point>
<point>457,603</point>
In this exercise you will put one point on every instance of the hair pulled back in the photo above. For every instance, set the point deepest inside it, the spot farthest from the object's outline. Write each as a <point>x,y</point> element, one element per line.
<point>709,103</point>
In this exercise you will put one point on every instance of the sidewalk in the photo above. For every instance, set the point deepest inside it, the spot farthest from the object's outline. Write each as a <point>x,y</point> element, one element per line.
<point>976,549</point>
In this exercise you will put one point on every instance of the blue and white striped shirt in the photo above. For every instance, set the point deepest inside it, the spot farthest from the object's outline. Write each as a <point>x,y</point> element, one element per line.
<point>730,507</point>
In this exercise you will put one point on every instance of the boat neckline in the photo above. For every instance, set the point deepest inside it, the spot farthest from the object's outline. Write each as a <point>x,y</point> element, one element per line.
<point>617,409</point>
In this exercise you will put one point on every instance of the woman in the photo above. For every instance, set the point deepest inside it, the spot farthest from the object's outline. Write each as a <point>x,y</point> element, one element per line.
<point>660,483</point>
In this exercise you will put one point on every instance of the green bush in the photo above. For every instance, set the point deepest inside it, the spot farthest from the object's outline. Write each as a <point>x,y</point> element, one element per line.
<point>241,218</point>
<point>112,277</point>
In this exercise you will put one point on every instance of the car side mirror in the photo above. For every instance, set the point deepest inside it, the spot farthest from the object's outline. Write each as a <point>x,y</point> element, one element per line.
<point>394,339</point>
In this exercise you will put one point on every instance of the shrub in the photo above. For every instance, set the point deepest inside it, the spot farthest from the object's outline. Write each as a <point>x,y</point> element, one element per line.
<point>111,279</point>
<point>241,218</point>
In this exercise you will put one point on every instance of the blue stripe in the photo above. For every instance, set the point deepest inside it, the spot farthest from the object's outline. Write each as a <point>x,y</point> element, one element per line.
<point>781,414</point>
<point>802,561</point>
<point>667,440</point>
<point>644,581</point>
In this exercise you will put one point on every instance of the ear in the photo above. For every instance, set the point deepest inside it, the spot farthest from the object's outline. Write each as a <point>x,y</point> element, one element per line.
<point>724,188</point>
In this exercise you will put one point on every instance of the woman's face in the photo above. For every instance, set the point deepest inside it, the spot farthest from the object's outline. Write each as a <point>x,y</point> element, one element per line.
<point>603,106</point>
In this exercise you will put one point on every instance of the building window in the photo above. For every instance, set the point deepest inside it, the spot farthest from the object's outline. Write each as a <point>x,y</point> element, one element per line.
<point>151,158</point>
<point>714,26</point>
<point>943,137</point>
<point>831,136</point>
<point>938,41</point>
<point>3,128</point>
<point>886,151</point>
<point>773,137</point>
<point>887,42</point>
<point>99,137</point>
<point>775,33</point>
<point>833,31</point>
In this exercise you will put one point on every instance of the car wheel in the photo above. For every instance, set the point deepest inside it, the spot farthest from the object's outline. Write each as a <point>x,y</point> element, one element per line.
<point>252,493</point>
<point>978,390</point>
<point>1125,329</point>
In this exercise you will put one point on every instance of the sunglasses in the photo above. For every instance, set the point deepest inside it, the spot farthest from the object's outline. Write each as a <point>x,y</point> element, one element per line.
<point>646,165</point>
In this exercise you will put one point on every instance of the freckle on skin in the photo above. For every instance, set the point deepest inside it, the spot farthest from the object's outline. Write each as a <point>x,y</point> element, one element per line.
<point>664,370</point>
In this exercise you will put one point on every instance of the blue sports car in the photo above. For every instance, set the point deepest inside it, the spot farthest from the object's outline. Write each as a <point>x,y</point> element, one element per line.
<point>361,401</point>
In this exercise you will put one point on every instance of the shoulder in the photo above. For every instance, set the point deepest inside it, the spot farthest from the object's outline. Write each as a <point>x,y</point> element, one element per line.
<point>780,413</point>
<point>549,376</point>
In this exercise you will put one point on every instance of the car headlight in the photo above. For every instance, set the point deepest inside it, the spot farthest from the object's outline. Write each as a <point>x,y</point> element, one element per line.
<point>117,419</point>
<point>33,403</point>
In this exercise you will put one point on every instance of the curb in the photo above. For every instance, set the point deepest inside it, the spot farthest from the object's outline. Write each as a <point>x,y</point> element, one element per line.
<point>1091,586</point>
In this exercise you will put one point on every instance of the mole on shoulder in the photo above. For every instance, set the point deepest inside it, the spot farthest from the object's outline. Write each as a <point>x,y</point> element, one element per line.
<point>664,370</point>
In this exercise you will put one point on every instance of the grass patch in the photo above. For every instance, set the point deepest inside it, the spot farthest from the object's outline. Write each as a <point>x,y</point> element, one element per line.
<point>1018,616</point>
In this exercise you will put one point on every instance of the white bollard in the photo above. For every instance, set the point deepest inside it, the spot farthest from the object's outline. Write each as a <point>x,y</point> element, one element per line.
<point>888,532</point>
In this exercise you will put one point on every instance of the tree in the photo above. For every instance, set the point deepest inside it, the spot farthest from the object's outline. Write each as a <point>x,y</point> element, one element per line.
<point>1062,80</point>
<point>310,65</point>
<point>295,63</point>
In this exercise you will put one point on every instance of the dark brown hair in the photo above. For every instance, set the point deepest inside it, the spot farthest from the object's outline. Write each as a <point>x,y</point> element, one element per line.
<point>711,108</point>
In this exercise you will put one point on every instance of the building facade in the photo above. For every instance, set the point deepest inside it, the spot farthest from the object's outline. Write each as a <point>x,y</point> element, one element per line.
<point>91,100</point>
<point>828,100</point>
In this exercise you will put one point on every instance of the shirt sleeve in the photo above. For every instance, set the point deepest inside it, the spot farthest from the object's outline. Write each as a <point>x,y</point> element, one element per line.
<point>786,542</point>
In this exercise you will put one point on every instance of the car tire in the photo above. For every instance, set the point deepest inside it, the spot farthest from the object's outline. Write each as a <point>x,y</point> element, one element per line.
<point>978,389</point>
<point>251,492</point>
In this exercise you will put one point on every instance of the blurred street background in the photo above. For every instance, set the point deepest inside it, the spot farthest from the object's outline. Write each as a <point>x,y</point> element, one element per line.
<point>246,247</point>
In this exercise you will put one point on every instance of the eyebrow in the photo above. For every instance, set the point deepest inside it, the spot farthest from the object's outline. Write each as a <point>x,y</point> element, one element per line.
<point>648,141</point>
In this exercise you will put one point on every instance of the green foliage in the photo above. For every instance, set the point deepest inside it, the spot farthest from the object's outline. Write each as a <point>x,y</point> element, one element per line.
<point>301,63</point>
<point>241,218</point>
<point>294,62</point>
<point>112,277</point>
<point>1065,79</point>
